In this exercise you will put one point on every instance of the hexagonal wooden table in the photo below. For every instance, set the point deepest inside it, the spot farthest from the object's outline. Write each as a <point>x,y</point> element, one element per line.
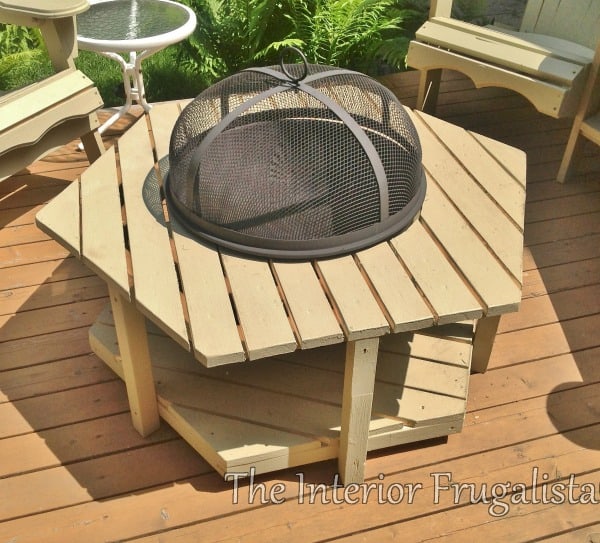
<point>268,364</point>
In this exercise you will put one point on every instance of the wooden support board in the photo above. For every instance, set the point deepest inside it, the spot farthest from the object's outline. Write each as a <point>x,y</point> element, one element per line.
<point>287,411</point>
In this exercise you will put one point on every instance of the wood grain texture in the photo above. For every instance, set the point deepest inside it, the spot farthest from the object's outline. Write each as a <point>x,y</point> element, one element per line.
<point>154,276</point>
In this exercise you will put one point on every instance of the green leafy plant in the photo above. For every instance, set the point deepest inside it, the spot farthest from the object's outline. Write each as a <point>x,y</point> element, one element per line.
<point>358,34</point>
<point>367,35</point>
<point>14,39</point>
<point>231,35</point>
<point>20,69</point>
<point>23,58</point>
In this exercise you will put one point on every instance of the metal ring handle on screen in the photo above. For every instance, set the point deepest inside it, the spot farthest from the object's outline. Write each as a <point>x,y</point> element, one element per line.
<point>293,79</point>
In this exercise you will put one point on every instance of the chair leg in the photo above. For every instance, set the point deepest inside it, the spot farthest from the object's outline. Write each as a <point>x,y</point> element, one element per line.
<point>572,150</point>
<point>429,87</point>
<point>92,141</point>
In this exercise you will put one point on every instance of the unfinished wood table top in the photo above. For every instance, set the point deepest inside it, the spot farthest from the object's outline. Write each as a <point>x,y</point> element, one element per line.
<point>460,260</point>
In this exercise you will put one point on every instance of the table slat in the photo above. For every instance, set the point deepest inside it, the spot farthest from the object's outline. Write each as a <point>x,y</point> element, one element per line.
<point>314,318</point>
<point>155,278</point>
<point>162,121</point>
<point>272,409</point>
<point>215,336</point>
<point>513,159</point>
<point>502,186</point>
<point>214,332</point>
<point>496,228</point>
<point>60,218</point>
<point>359,311</point>
<point>450,297</point>
<point>497,288</point>
<point>267,330</point>
<point>403,302</point>
<point>101,212</point>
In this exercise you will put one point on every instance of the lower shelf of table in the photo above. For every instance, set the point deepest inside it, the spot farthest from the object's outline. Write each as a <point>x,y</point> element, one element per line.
<point>284,412</point>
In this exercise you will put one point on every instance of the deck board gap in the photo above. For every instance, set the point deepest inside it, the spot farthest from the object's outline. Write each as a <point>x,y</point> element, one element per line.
<point>331,300</point>
<point>286,305</point>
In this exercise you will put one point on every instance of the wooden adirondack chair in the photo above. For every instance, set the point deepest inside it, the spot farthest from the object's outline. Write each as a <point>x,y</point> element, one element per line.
<point>586,123</point>
<point>49,113</point>
<point>547,60</point>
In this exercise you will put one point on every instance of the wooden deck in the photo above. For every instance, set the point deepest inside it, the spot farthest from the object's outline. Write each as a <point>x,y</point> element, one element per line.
<point>73,469</point>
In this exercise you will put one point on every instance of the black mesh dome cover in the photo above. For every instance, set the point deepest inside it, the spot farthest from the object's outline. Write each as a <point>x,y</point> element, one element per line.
<point>295,161</point>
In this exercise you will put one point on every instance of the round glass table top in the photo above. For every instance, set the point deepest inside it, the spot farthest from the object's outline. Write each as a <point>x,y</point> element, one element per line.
<point>126,25</point>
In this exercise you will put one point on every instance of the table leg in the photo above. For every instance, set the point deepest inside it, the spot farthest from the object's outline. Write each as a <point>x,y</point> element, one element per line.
<point>483,341</point>
<point>135,65</point>
<point>137,368</point>
<point>359,380</point>
<point>133,84</point>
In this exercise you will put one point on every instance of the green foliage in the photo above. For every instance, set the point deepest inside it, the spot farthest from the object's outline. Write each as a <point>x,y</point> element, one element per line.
<point>337,32</point>
<point>22,58</point>
<point>105,73</point>
<point>163,82</point>
<point>366,35</point>
<point>231,35</point>
<point>23,68</point>
<point>14,39</point>
<point>163,78</point>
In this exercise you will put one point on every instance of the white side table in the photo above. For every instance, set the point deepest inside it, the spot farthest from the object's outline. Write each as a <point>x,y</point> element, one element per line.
<point>137,28</point>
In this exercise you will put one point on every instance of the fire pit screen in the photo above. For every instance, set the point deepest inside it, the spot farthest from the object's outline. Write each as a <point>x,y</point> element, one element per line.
<point>295,161</point>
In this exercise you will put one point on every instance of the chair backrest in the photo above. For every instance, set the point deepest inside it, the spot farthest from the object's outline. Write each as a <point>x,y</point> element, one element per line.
<point>573,20</point>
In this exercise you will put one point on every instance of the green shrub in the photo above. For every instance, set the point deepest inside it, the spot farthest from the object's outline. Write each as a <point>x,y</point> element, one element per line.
<point>20,69</point>
<point>231,35</point>
<point>367,35</point>
<point>22,58</point>
<point>14,39</point>
<point>356,34</point>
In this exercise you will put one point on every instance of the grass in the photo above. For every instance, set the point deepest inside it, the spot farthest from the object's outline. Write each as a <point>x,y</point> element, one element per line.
<point>164,79</point>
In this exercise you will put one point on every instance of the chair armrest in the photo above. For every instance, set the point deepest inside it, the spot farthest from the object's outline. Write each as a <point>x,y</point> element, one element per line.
<point>34,9</point>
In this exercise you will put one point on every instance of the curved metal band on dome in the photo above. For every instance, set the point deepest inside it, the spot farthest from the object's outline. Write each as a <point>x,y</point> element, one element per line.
<point>348,120</point>
<point>314,77</point>
<point>365,142</point>
<point>197,155</point>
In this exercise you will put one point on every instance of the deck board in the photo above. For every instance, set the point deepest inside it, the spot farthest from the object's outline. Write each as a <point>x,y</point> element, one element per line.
<point>77,471</point>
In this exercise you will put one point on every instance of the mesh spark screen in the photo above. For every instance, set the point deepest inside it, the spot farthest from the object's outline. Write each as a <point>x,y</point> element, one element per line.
<point>295,161</point>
